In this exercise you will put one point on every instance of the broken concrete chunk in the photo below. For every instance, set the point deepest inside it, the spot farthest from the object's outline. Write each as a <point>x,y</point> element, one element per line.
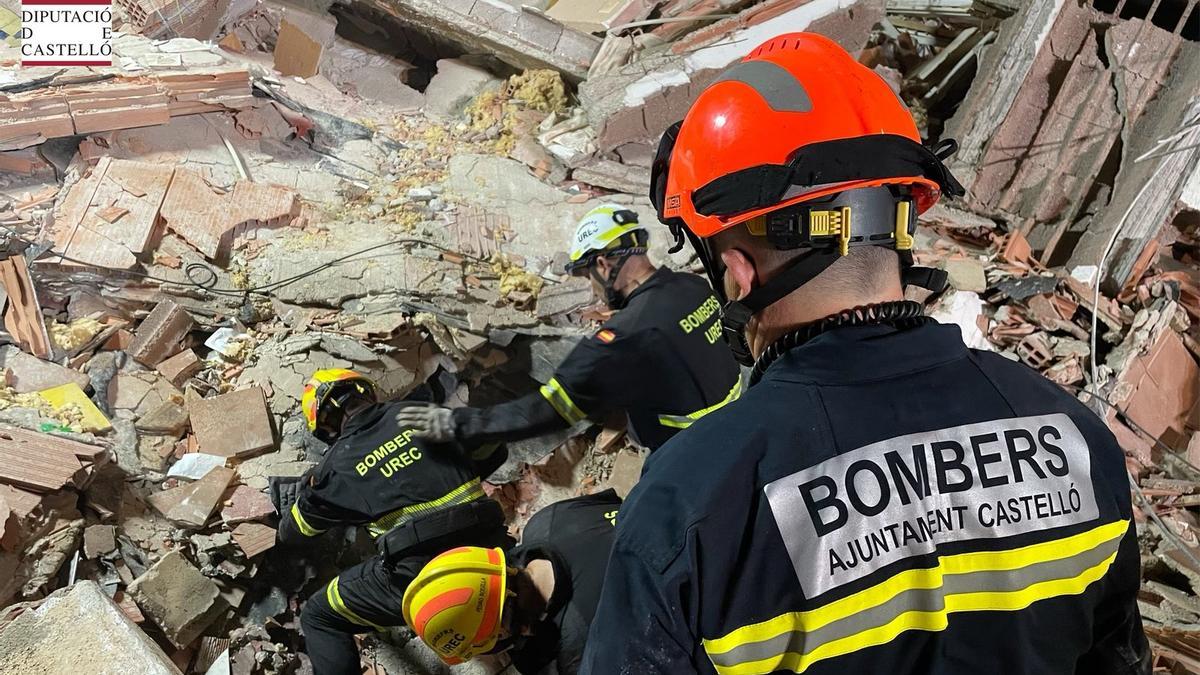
<point>612,175</point>
<point>98,540</point>
<point>966,275</point>
<point>519,36</point>
<point>179,368</point>
<point>177,598</point>
<point>160,335</point>
<point>193,504</point>
<point>27,374</point>
<point>79,629</point>
<point>236,424</point>
<point>626,470</point>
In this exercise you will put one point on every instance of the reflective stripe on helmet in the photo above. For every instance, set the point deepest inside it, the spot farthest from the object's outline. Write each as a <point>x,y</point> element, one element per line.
<point>601,229</point>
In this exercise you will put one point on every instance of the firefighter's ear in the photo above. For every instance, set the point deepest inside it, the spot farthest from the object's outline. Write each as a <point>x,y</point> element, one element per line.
<point>740,274</point>
<point>603,266</point>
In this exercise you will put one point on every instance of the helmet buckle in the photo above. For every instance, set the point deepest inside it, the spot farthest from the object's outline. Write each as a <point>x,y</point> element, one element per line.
<point>796,227</point>
<point>824,223</point>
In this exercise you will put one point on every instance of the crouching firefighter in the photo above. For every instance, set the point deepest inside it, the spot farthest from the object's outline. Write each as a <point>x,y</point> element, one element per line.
<point>415,498</point>
<point>882,500</point>
<point>534,604</point>
<point>659,360</point>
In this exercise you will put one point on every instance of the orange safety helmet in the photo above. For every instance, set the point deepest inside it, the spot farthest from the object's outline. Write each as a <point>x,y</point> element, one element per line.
<point>324,398</point>
<point>810,149</point>
<point>783,123</point>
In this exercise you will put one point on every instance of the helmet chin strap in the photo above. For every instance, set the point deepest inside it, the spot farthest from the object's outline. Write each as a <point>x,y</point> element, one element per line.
<point>735,314</point>
<point>612,297</point>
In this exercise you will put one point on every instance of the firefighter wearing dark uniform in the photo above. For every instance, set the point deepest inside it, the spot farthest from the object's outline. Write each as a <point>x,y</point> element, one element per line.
<point>660,359</point>
<point>545,633</point>
<point>882,499</point>
<point>413,497</point>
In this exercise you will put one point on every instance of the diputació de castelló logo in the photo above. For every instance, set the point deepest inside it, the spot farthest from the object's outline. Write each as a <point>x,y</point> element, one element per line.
<point>66,33</point>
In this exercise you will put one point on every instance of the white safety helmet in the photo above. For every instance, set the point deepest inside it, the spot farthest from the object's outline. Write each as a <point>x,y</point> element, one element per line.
<point>608,230</point>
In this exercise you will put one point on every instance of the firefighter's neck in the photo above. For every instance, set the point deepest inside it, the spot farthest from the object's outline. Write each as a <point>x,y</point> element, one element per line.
<point>541,573</point>
<point>798,309</point>
<point>821,297</point>
<point>636,270</point>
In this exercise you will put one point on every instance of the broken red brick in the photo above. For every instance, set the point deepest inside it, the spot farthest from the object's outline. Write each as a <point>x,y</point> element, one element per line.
<point>38,461</point>
<point>180,367</point>
<point>209,218</point>
<point>1164,390</point>
<point>254,538</point>
<point>160,334</point>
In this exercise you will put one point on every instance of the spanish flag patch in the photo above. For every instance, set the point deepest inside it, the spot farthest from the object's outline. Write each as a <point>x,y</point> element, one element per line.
<point>606,336</point>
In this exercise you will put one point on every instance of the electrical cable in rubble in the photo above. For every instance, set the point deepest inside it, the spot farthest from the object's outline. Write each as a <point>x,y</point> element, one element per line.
<point>204,277</point>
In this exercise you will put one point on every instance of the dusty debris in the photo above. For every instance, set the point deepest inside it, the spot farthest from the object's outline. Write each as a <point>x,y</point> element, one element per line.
<point>396,201</point>
<point>75,626</point>
<point>178,598</point>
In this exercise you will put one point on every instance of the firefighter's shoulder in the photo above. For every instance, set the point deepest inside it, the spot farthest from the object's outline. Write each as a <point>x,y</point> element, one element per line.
<point>711,470</point>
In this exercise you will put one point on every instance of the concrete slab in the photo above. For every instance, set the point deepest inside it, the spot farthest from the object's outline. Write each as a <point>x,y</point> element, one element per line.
<point>178,598</point>
<point>79,629</point>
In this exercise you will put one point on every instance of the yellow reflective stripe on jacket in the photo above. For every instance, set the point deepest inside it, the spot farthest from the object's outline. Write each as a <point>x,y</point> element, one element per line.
<point>335,601</point>
<point>920,599</point>
<point>685,421</point>
<point>467,492</point>
<point>558,397</point>
<point>305,529</point>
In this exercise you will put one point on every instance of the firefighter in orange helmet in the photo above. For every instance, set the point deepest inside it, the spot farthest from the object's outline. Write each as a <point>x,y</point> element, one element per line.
<point>882,500</point>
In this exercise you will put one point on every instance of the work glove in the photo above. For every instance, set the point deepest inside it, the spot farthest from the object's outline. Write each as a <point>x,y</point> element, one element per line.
<point>284,491</point>
<point>431,422</point>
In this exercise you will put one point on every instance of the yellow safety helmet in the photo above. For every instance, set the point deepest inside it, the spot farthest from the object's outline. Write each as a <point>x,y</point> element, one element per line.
<point>607,230</point>
<point>455,603</point>
<point>319,396</point>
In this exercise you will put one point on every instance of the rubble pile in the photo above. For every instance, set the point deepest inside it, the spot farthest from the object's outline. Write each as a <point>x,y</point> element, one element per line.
<point>256,190</point>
